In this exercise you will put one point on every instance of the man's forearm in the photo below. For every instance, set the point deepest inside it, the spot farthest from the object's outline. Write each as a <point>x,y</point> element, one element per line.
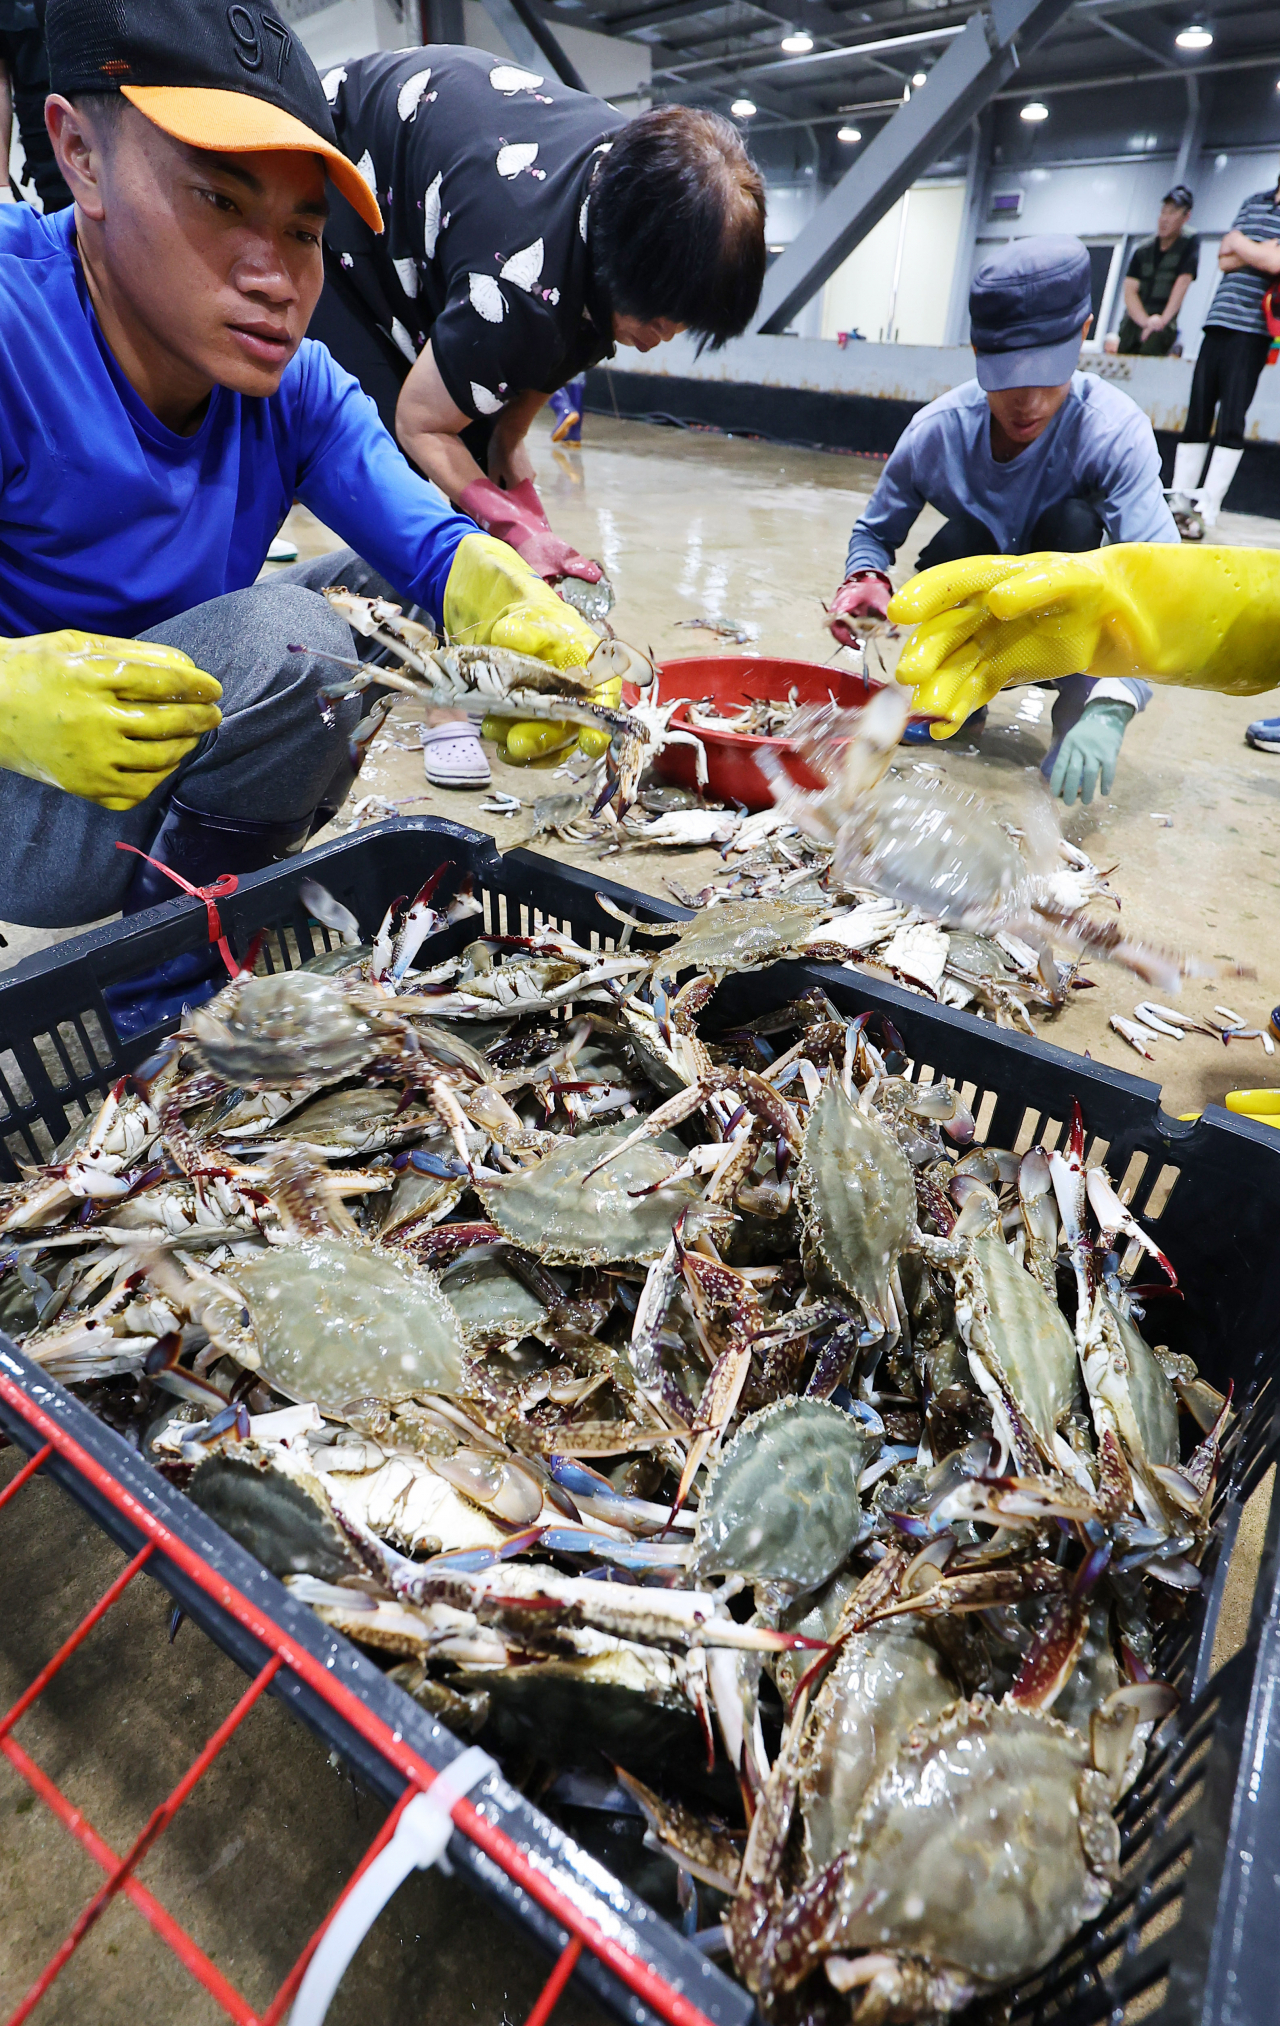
<point>1133,301</point>
<point>1263,255</point>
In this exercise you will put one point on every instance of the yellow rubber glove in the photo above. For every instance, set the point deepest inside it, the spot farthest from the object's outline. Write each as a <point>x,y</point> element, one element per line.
<point>104,719</point>
<point>495,599</point>
<point>1202,618</point>
<point>534,739</point>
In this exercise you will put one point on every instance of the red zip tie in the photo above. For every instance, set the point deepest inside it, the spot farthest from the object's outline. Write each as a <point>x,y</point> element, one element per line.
<point>221,889</point>
<point>550,1994</point>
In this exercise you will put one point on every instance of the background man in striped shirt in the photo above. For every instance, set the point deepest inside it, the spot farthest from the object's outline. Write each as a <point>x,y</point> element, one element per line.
<point>1233,352</point>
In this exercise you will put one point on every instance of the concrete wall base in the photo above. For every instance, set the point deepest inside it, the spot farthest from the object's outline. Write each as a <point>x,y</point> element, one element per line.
<point>863,425</point>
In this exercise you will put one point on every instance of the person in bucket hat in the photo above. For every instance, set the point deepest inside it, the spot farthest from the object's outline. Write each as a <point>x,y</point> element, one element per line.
<point>1029,455</point>
<point>160,409</point>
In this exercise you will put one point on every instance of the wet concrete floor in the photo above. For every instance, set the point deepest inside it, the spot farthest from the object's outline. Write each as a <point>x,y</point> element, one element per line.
<point>690,527</point>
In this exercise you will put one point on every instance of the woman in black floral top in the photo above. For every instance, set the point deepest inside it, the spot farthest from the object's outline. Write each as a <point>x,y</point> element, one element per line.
<point>529,230</point>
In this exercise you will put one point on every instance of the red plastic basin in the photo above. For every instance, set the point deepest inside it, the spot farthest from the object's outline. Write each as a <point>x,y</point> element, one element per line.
<point>728,680</point>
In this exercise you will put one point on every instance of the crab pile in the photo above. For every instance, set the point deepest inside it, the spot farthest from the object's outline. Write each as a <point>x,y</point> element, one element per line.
<point>693,1402</point>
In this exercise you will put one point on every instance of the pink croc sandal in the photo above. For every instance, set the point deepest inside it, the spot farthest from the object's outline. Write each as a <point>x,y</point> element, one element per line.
<point>452,756</point>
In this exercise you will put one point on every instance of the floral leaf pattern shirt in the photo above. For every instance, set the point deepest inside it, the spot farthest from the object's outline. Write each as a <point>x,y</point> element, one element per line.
<point>483,170</point>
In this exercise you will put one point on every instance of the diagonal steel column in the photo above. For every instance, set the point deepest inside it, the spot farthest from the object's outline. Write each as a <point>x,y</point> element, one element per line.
<point>960,84</point>
<point>530,40</point>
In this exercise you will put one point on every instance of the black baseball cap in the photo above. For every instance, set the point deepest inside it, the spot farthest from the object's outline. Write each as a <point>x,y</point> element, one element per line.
<point>233,79</point>
<point>1181,196</point>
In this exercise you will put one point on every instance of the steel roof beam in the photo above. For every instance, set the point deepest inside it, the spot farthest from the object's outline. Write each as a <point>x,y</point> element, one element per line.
<point>970,73</point>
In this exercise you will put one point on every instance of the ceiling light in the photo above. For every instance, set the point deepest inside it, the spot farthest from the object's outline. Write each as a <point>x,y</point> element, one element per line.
<point>851,134</point>
<point>1194,37</point>
<point>1034,113</point>
<point>743,109</point>
<point>798,43</point>
<point>920,78</point>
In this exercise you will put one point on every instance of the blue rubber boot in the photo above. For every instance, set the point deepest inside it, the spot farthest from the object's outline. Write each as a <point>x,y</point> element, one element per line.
<point>200,847</point>
<point>566,406</point>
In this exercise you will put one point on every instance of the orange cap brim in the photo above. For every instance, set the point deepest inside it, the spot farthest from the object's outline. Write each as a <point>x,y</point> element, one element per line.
<point>233,123</point>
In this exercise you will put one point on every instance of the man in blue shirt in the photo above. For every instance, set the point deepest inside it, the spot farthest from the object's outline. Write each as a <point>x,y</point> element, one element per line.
<point>159,412</point>
<point>1030,455</point>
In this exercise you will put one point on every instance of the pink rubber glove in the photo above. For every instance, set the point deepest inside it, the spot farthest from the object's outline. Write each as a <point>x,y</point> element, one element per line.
<point>864,596</point>
<point>517,518</point>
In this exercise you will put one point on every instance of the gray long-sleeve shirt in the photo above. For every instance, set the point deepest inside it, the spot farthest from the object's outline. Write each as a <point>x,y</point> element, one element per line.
<point>1099,447</point>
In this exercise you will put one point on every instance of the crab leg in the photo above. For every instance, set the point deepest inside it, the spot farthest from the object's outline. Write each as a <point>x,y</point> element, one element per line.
<point>1136,1036</point>
<point>673,1113</point>
<point>979,1590</point>
<point>1036,1198</point>
<point>715,1411</point>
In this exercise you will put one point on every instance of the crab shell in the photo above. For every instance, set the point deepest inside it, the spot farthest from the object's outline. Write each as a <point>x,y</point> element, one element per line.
<point>986,1845</point>
<point>550,1210</point>
<point>858,1200</point>
<point>491,1304</point>
<point>939,848</point>
<point>1017,1337</point>
<point>406,1501</point>
<point>1128,1379</point>
<point>782,1504</point>
<point>339,1123</point>
<point>625,1704</point>
<point>334,1322</point>
<point>289,1028</point>
<point>884,1681</point>
<point>740,936</point>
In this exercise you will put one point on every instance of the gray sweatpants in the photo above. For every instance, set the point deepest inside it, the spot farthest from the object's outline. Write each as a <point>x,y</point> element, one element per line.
<point>272,759</point>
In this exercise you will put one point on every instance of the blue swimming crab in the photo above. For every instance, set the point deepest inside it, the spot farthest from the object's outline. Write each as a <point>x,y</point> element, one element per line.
<point>981,1842</point>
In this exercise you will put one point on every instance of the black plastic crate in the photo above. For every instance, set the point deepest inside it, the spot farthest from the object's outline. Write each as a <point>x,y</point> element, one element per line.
<point>1189,1935</point>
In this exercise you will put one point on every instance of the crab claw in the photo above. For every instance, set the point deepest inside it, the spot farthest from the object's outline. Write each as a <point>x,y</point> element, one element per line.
<point>1113,1217</point>
<point>607,794</point>
<point>614,658</point>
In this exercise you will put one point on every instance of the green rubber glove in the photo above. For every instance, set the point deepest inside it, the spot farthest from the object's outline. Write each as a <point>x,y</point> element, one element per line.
<point>104,719</point>
<point>1203,618</point>
<point>1088,754</point>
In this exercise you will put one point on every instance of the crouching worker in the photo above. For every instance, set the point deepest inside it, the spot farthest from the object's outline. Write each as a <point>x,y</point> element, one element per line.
<point>159,412</point>
<point>1031,455</point>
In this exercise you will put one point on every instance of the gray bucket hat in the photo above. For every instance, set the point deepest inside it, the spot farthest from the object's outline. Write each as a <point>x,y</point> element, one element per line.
<point>1027,308</point>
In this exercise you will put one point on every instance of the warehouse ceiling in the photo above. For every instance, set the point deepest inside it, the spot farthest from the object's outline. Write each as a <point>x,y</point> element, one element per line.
<point>867,55</point>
